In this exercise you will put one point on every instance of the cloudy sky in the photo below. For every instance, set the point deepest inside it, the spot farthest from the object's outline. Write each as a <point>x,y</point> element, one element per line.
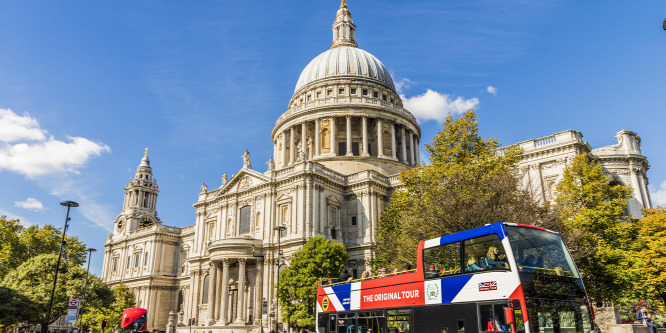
<point>85,86</point>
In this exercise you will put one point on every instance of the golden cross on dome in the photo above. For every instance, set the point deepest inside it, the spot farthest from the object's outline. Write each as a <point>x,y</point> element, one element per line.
<point>343,3</point>
<point>146,154</point>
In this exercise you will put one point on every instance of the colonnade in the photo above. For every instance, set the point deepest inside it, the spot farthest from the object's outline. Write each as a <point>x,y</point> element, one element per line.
<point>373,137</point>
<point>220,309</point>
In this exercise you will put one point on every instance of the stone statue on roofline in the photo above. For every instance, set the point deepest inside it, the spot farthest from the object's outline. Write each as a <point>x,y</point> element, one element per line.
<point>271,164</point>
<point>246,160</point>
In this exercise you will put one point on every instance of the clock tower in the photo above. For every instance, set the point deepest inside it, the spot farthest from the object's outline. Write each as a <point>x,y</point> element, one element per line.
<point>139,205</point>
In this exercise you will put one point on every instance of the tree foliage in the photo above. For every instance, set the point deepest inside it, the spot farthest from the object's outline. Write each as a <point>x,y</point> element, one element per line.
<point>650,265</point>
<point>318,259</point>
<point>15,308</point>
<point>469,183</point>
<point>123,299</point>
<point>18,244</point>
<point>34,280</point>
<point>596,228</point>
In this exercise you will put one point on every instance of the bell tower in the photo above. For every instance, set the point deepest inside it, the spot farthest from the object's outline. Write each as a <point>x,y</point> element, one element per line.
<point>140,203</point>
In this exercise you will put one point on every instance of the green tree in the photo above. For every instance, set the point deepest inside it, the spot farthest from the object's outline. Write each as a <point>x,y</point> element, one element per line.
<point>15,308</point>
<point>470,182</point>
<point>650,265</point>
<point>596,228</point>
<point>18,244</point>
<point>123,299</point>
<point>34,279</point>
<point>318,259</point>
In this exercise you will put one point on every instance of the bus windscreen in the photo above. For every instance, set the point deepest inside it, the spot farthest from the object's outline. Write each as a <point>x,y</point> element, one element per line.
<point>540,251</point>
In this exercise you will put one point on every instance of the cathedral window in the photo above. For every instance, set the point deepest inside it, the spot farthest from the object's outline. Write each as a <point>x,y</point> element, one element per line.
<point>318,94</point>
<point>353,91</point>
<point>341,91</point>
<point>128,262</point>
<point>137,259</point>
<point>384,97</point>
<point>115,264</point>
<point>145,259</point>
<point>353,220</point>
<point>329,92</point>
<point>334,234</point>
<point>204,290</point>
<point>179,307</point>
<point>309,98</point>
<point>245,216</point>
<point>375,94</point>
<point>365,92</point>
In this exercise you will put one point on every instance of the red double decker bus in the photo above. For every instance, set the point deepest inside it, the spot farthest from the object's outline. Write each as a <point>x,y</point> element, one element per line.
<point>500,277</point>
<point>134,320</point>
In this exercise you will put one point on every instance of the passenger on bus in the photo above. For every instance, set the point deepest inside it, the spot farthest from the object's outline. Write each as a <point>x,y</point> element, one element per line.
<point>344,276</point>
<point>530,261</point>
<point>472,266</point>
<point>432,272</point>
<point>494,259</point>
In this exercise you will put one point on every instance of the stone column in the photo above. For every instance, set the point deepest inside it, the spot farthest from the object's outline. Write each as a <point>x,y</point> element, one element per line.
<point>636,184</point>
<point>416,150</point>
<point>304,138</point>
<point>316,138</point>
<point>349,136</point>
<point>225,292</point>
<point>241,290</point>
<point>285,157</point>
<point>258,292</point>
<point>393,150</point>
<point>380,139</point>
<point>334,145</point>
<point>218,291</point>
<point>403,146</point>
<point>359,217</point>
<point>292,145</point>
<point>364,124</point>
<point>411,150</point>
<point>211,294</point>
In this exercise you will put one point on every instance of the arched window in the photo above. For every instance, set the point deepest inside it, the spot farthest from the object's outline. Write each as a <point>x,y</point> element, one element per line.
<point>204,290</point>
<point>245,216</point>
<point>179,307</point>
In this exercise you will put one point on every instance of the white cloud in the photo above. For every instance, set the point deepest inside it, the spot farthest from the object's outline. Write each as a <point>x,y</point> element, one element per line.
<point>492,90</point>
<point>15,127</point>
<point>437,106</point>
<point>659,196</point>
<point>30,204</point>
<point>43,156</point>
<point>404,83</point>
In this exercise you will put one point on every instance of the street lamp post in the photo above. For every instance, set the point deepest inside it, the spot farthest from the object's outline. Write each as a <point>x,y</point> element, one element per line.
<point>85,287</point>
<point>68,204</point>
<point>279,229</point>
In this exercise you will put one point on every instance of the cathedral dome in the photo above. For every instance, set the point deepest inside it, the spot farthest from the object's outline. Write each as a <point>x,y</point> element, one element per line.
<point>345,61</point>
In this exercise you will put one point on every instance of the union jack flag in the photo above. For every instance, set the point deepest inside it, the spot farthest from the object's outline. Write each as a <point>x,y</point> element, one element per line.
<point>488,285</point>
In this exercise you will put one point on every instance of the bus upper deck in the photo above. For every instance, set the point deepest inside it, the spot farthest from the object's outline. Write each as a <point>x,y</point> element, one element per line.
<point>479,273</point>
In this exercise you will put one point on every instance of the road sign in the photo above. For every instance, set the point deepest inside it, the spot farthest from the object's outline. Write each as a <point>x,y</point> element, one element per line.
<point>73,303</point>
<point>80,297</point>
<point>71,315</point>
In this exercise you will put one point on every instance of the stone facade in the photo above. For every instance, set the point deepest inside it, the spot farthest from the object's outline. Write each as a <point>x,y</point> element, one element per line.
<point>544,160</point>
<point>338,150</point>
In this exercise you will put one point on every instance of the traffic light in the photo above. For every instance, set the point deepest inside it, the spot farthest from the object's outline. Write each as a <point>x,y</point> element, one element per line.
<point>103,323</point>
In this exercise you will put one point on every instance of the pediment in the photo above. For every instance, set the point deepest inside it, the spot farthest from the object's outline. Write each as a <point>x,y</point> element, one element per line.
<point>243,180</point>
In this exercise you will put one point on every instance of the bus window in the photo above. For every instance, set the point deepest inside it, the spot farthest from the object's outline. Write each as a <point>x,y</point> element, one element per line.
<point>484,253</point>
<point>370,322</point>
<point>399,321</point>
<point>442,260</point>
<point>492,317</point>
<point>542,252</point>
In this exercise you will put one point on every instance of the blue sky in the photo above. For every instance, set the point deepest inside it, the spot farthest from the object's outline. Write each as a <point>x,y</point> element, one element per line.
<point>86,86</point>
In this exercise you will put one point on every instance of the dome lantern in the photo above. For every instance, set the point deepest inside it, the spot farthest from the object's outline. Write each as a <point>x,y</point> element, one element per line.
<point>343,28</point>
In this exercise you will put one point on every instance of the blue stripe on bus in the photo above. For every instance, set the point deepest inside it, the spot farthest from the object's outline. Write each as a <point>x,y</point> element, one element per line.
<point>497,228</point>
<point>452,286</point>
<point>343,294</point>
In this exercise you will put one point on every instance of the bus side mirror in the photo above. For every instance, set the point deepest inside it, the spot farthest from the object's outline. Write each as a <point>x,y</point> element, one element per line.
<point>508,314</point>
